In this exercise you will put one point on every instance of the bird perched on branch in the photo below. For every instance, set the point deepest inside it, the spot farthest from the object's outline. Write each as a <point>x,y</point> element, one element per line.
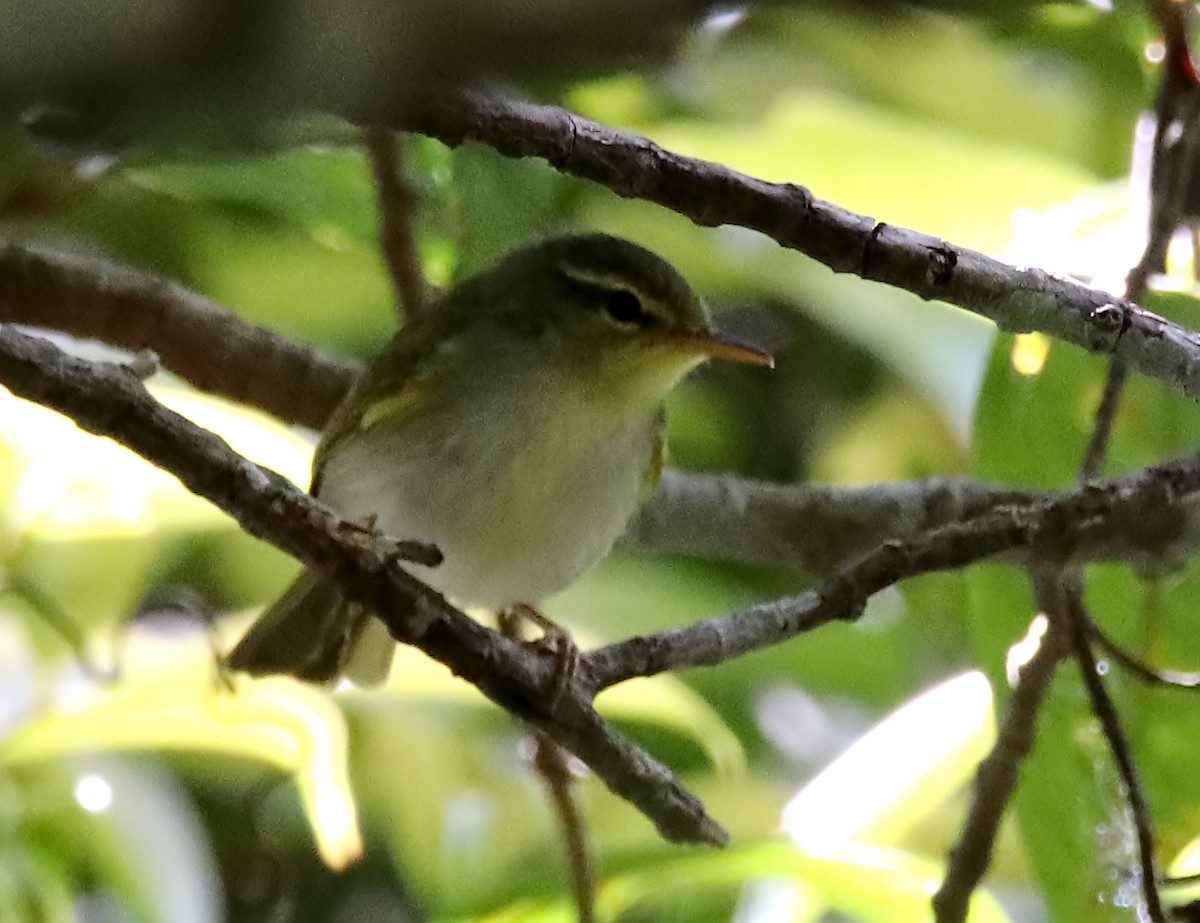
<point>514,423</point>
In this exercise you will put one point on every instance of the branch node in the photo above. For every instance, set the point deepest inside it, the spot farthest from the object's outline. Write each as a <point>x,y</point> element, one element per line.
<point>869,247</point>
<point>1106,325</point>
<point>143,364</point>
<point>943,260</point>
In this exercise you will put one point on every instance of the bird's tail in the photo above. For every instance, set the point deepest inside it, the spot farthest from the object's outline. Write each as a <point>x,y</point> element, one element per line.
<point>314,633</point>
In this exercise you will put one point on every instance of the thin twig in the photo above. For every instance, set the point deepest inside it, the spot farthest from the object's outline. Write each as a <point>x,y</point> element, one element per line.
<point>552,766</point>
<point>1175,679</point>
<point>1106,413</point>
<point>1105,711</point>
<point>995,782</point>
<point>397,217</point>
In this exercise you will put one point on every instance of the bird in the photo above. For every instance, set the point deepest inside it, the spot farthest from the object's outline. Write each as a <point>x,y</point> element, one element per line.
<point>515,422</point>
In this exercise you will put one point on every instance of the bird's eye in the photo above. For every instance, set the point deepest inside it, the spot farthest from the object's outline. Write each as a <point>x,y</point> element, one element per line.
<point>624,307</point>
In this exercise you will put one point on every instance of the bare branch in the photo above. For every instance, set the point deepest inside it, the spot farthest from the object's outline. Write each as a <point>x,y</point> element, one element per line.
<point>107,400</point>
<point>397,213</point>
<point>1148,505</point>
<point>1096,450</point>
<point>805,526</point>
<point>195,338</point>
<point>709,194</point>
<point>553,766</point>
<point>819,528</point>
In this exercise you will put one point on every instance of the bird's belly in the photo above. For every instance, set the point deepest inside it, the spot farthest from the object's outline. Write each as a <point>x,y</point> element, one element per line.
<point>515,522</point>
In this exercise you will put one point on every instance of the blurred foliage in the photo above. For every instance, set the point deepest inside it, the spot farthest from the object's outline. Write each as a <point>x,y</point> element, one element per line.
<point>158,793</point>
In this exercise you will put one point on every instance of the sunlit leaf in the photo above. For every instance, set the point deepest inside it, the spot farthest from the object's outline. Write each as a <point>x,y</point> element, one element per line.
<point>167,698</point>
<point>863,882</point>
<point>931,746</point>
<point>856,140</point>
<point>71,485</point>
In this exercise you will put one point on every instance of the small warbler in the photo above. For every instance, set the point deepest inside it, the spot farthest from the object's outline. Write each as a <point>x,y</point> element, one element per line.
<point>514,423</point>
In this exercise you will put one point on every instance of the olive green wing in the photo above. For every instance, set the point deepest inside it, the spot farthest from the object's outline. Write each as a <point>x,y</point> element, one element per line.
<point>652,473</point>
<point>396,383</point>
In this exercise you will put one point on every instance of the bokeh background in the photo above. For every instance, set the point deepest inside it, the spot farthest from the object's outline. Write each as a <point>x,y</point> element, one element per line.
<point>133,787</point>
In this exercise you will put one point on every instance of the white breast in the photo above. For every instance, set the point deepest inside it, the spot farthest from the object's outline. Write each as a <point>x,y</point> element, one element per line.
<point>518,517</point>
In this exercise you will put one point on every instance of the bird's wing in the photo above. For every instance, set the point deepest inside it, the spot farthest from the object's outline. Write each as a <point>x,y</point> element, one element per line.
<point>395,384</point>
<point>658,457</point>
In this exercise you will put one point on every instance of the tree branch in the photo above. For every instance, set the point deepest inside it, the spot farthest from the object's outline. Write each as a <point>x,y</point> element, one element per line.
<point>397,218</point>
<point>1059,530</point>
<point>811,527</point>
<point>197,339</point>
<point>818,528</point>
<point>709,194</point>
<point>107,400</point>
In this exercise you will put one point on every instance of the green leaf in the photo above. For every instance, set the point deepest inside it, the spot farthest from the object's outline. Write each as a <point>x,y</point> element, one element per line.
<point>931,746</point>
<point>168,699</point>
<point>862,882</point>
<point>1032,430</point>
<point>325,191</point>
<point>69,485</point>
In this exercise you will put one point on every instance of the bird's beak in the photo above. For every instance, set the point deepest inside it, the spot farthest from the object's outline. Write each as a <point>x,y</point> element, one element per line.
<point>715,345</point>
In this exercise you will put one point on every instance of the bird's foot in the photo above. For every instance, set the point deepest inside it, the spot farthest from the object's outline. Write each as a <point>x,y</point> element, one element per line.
<point>554,638</point>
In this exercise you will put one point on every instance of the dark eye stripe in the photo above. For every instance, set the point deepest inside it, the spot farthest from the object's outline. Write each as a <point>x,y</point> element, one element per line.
<point>623,306</point>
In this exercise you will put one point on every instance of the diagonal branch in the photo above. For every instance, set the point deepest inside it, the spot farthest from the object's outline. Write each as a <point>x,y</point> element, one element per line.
<point>1075,614</point>
<point>197,339</point>
<point>1017,299</point>
<point>107,400</point>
